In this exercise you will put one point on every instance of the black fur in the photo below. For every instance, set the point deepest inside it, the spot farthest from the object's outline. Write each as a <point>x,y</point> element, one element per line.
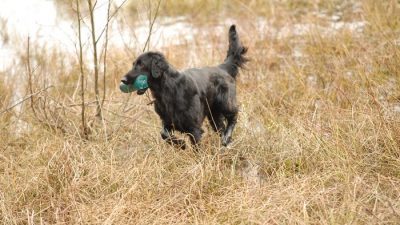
<point>184,99</point>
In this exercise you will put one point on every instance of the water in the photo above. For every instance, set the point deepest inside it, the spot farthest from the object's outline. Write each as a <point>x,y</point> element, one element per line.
<point>36,19</point>
<point>39,20</point>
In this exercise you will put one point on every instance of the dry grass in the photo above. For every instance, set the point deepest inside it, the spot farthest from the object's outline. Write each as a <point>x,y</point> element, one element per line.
<point>317,140</point>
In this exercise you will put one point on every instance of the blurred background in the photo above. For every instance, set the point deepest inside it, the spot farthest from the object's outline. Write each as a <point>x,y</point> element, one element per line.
<point>317,141</point>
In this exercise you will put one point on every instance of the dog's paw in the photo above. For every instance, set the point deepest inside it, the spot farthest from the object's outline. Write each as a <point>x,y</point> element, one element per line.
<point>226,140</point>
<point>181,144</point>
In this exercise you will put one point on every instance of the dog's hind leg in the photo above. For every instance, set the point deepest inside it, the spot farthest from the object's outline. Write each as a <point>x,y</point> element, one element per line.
<point>227,135</point>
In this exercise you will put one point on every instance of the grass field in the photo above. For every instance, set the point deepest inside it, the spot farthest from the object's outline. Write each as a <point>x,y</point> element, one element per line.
<point>317,141</point>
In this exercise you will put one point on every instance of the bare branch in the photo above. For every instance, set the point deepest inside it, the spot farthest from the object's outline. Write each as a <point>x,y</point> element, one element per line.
<point>105,53</point>
<point>95,58</point>
<point>109,18</point>
<point>82,76</point>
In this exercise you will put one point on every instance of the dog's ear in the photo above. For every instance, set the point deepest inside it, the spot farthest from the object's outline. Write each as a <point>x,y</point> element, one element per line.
<point>158,65</point>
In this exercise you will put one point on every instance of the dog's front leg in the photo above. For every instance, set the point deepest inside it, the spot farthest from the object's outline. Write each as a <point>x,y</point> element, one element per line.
<point>195,136</point>
<point>227,136</point>
<point>166,134</point>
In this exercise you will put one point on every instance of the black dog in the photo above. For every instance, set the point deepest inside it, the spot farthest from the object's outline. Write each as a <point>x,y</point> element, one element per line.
<point>184,99</point>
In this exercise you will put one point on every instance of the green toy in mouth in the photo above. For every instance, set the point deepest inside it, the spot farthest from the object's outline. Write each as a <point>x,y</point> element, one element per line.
<point>139,84</point>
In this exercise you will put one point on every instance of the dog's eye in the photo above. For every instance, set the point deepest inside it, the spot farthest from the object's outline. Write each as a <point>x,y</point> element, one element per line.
<point>139,64</point>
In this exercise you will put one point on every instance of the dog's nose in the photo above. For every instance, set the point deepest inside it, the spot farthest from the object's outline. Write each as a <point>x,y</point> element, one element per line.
<point>124,80</point>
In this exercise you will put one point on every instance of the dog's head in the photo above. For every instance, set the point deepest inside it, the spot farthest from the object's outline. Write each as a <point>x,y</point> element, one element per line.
<point>151,64</point>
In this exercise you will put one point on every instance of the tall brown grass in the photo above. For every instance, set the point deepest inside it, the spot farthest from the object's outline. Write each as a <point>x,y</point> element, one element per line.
<point>317,140</point>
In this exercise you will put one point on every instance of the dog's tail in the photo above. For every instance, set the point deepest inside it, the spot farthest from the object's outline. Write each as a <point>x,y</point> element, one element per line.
<point>235,57</point>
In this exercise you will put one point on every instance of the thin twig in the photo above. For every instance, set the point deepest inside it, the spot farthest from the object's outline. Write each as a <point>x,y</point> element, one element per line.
<point>151,24</point>
<point>26,98</point>
<point>29,71</point>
